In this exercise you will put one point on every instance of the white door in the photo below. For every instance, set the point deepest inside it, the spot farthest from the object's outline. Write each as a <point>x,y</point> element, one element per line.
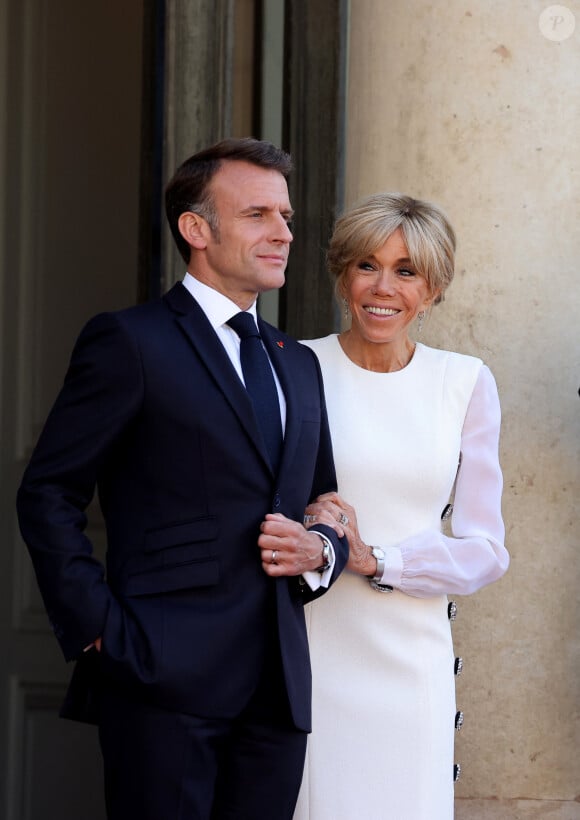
<point>70,128</point>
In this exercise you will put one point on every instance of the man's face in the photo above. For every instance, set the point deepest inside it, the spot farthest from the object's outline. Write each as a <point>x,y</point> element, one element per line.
<point>250,251</point>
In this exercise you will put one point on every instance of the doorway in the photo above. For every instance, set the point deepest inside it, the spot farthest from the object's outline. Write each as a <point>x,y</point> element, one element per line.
<point>70,150</point>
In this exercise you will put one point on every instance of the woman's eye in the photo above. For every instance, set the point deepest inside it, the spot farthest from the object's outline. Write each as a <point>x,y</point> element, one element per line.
<point>406,272</point>
<point>366,266</point>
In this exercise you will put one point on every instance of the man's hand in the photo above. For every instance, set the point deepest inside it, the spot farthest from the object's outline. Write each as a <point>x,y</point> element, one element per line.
<point>95,645</point>
<point>287,547</point>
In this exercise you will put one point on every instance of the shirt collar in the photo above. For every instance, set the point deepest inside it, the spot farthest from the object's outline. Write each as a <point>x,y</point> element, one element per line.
<point>217,307</point>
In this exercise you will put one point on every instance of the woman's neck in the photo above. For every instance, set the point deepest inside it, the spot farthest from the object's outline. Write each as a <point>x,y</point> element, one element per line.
<point>380,358</point>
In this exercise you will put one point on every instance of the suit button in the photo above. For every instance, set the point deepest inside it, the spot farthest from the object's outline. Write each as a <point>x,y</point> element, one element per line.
<point>458,667</point>
<point>458,720</point>
<point>452,610</point>
<point>276,502</point>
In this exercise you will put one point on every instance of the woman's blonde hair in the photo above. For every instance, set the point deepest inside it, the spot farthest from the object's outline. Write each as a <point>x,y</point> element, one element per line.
<point>428,235</point>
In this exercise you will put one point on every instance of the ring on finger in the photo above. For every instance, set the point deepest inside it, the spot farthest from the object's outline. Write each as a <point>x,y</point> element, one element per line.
<point>309,519</point>
<point>273,558</point>
<point>343,519</point>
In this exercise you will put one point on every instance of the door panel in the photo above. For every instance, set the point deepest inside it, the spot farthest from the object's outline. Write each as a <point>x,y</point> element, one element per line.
<point>55,767</point>
<point>70,130</point>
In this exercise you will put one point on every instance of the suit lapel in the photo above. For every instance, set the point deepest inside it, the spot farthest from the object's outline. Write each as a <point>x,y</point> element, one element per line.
<point>194,324</point>
<point>280,356</point>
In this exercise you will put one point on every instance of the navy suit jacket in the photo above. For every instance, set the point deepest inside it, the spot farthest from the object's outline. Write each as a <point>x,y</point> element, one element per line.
<point>153,413</point>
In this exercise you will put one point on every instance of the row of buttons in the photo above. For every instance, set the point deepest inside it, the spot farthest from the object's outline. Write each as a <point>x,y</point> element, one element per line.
<point>457,669</point>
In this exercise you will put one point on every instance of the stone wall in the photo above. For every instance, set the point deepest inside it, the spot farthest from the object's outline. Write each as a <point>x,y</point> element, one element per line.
<point>476,106</point>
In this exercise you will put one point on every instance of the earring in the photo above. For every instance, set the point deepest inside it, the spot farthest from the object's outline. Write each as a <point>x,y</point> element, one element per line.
<point>420,317</point>
<point>346,310</point>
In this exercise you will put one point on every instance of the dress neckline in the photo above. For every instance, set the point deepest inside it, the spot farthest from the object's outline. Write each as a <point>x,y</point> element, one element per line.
<point>411,364</point>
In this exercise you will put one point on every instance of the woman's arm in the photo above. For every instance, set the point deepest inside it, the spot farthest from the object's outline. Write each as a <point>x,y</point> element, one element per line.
<point>431,563</point>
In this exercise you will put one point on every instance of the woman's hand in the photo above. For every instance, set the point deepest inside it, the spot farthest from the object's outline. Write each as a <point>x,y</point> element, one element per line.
<point>332,510</point>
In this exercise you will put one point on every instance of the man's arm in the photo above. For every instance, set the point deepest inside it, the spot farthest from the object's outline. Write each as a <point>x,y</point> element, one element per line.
<point>101,392</point>
<point>299,551</point>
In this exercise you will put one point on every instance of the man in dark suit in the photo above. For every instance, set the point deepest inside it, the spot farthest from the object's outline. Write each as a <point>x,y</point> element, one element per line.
<point>191,651</point>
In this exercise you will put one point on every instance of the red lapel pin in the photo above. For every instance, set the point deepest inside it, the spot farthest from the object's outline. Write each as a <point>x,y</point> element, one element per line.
<point>280,344</point>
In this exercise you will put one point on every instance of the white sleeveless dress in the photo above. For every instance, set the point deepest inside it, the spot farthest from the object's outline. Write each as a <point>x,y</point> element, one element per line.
<point>383,663</point>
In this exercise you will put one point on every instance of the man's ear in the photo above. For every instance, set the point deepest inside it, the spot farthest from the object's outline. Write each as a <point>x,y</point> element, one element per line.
<point>194,229</point>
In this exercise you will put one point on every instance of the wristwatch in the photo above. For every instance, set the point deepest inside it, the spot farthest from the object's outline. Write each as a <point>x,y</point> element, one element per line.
<point>379,554</point>
<point>326,553</point>
<point>374,580</point>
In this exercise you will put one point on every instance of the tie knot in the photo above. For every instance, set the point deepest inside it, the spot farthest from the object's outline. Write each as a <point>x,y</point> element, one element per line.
<point>244,325</point>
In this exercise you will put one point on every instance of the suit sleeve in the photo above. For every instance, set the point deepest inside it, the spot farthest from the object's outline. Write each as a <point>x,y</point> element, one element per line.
<point>101,394</point>
<point>325,482</point>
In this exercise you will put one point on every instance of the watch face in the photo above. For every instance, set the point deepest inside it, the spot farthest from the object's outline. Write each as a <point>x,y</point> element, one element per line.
<point>379,555</point>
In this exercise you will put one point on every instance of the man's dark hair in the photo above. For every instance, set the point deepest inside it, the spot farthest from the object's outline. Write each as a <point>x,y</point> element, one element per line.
<point>188,189</point>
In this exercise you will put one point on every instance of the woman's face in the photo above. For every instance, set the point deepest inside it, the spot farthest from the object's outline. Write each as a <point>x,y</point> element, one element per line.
<point>385,293</point>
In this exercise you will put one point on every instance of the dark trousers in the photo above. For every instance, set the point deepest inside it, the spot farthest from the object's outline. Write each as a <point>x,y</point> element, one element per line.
<point>162,765</point>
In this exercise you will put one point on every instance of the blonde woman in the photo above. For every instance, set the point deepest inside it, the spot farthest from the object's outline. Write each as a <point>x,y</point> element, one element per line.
<point>402,416</point>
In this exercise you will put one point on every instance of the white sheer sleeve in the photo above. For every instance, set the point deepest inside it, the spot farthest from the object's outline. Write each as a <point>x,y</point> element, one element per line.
<point>431,563</point>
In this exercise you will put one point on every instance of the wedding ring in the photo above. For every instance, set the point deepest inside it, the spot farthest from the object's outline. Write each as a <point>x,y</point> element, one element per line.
<point>309,519</point>
<point>343,519</point>
<point>273,558</point>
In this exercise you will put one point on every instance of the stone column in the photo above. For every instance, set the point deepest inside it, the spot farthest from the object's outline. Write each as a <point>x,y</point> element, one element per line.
<point>476,107</point>
<point>198,84</point>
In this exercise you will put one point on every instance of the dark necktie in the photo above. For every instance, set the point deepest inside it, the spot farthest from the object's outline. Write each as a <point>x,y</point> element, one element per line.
<point>260,383</point>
